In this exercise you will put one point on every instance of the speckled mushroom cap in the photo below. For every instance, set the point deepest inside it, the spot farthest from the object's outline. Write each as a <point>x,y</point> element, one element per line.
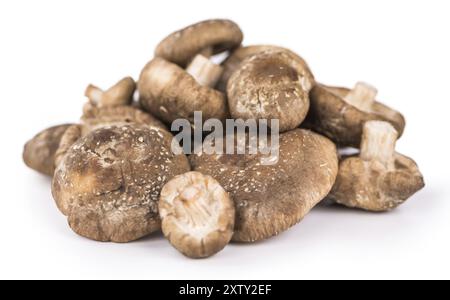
<point>94,117</point>
<point>181,46</point>
<point>378,179</point>
<point>108,184</point>
<point>269,199</point>
<point>233,62</point>
<point>270,85</point>
<point>331,115</point>
<point>169,92</point>
<point>39,152</point>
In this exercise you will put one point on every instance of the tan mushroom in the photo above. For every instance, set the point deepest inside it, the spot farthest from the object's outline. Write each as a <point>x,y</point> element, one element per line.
<point>234,61</point>
<point>197,215</point>
<point>379,179</point>
<point>119,94</point>
<point>270,198</point>
<point>216,36</point>
<point>109,182</point>
<point>169,92</point>
<point>340,113</point>
<point>39,152</point>
<point>270,85</point>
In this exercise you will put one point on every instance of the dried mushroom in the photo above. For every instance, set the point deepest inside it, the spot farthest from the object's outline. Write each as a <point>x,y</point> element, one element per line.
<point>215,36</point>
<point>39,152</point>
<point>109,182</point>
<point>169,92</point>
<point>270,85</point>
<point>119,94</point>
<point>269,199</point>
<point>197,214</point>
<point>340,113</point>
<point>234,61</point>
<point>379,179</point>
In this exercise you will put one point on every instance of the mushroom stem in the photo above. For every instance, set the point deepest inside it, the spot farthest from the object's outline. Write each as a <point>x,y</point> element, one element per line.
<point>119,94</point>
<point>362,96</point>
<point>204,71</point>
<point>378,142</point>
<point>94,94</point>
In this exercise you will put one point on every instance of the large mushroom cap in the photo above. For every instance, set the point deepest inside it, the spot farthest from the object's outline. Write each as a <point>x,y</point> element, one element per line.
<point>270,85</point>
<point>197,214</point>
<point>109,182</point>
<point>39,152</point>
<point>268,198</point>
<point>378,179</point>
<point>181,46</point>
<point>169,92</point>
<point>233,62</point>
<point>333,115</point>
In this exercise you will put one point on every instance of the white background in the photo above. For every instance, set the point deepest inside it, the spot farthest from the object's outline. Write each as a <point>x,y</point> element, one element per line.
<point>50,50</point>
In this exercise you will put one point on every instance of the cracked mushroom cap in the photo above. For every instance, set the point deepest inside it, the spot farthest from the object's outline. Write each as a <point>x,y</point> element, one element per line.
<point>379,179</point>
<point>169,92</point>
<point>109,182</point>
<point>197,214</point>
<point>270,198</point>
<point>181,46</point>
<point>233,62</point>
<point>340,113</point>
<point>39,152</point>
<point>270,85</point>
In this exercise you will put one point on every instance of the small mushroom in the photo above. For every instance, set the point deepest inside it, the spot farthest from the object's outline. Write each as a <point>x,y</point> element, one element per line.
<point>169,92</point>
<point>270,198</point>
<point>270,85</point>
<point>109,182</point>
<point>234,61</point>
<point>197,215</point>
<point>340,113</point>
<point>379,179</point>
<point>216,36</point>
<point>39,152</point>
<point>119,94</point>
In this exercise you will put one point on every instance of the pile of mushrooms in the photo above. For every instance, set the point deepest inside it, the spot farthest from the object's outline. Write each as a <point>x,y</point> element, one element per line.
<point>117,179</point>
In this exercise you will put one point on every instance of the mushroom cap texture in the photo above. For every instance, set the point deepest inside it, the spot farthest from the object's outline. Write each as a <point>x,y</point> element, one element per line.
<point>181,46</point>
<point>109,182</point>
<point>270,199</point>
<point>39,152</point>
<point>340,121</point>
<point>197,214</point>
<point>94,117</point>
<point>370,186</point>
<point>169,92</point>
<point>270,85</point>
<point>233,62</point>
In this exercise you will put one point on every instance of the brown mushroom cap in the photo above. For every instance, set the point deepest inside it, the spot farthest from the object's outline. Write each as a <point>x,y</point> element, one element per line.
<point>270,85</point>
<point>233,62</point>
<point>331,115</point>
<point>270,199</point>
<point>181,46</point>
<point>109,182</point>
<point>378,179</point>
<point>197,215</point>
<point>94,117</point>
<point>39,152</point>
<point>169,92</point>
